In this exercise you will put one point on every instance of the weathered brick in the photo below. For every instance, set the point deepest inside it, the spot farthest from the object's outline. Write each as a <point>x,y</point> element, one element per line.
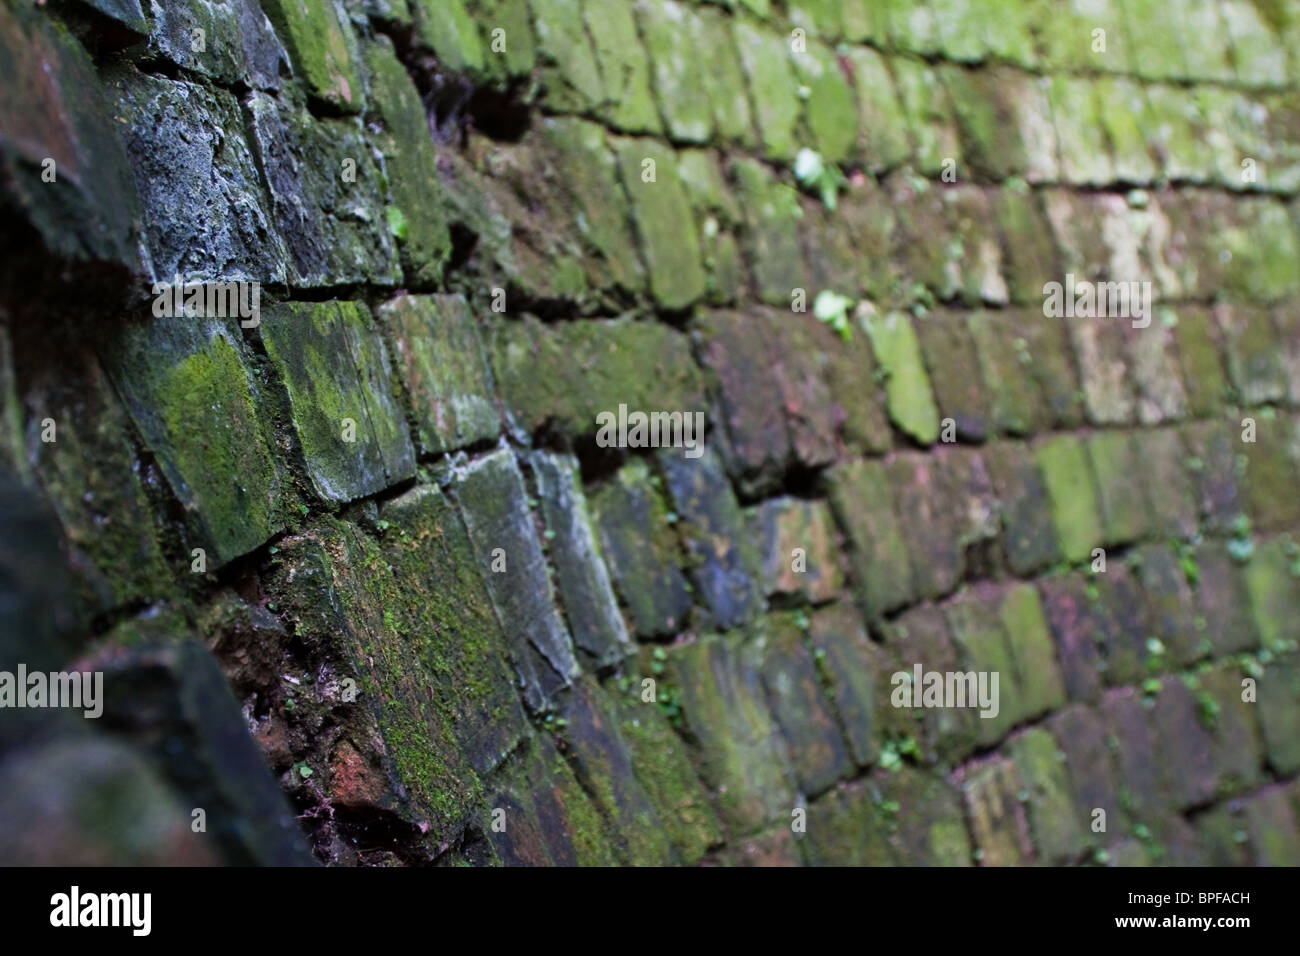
<point>1079,632</point>
<point>641,550</point>
<point>441,364</point>
<point>742,757</point>
<point>858,672</point>
<point>1278,699</point>
<point>1067,473</point>
<point>798,546</point>
<point>1056,822</point>
<point>990,790</point>
<point>1120,479</point>
<point>350,427</point>
<point>863,503</point>
<point>1025,508</point>
<point>817,749</point>
<point>493,503</point>
<point>907,387</point>
<point>580,572</point>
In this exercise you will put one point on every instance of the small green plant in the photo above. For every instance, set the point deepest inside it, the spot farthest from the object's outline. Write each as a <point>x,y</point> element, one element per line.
<point>814,174</point>
<point>1207,710</point>
<point>893,752</point>
<point>833,309</point>
<point>1241,545</point>
<point>303,770</point>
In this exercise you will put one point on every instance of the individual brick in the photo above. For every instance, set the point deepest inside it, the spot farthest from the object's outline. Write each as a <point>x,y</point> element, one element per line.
<point>179,164</point>
<point>493,502</point>
<point>1222,831</point>
<point>944,243</point>
<point>1199,351</point>
<point>862,500</point>
<point>1099,349</point>
<point>1120,482</point>
<point>975,622</point>
<point>324,50</point>
<point>349,424</point>
<point>990,790</point>
<point>1274,591</point>
<point>930,115</point>
<point>812,364</point>
<point>1080,628</point>
<point>589,192</point>
<point>550,819</point>
<point>772,216</point>
<point>929,832</point>
<point>830,108</point>
<point>849,826</point>
<point>664,224</point>
<point>886,143</point>
<point>641,551</point>
<point>1170,488</point>
<point>1025,508</point>
<point>570,71</point>
<point>1068,41</point>
<point>660,759</point>
<point>595,747</point>
<point>626,67</point>
<point>725,80</point>
<point>1056,823</point>
<point>581,576</point>
<point>948,500</point>
<point>1237,748</point>
<point>1016,404</point>
<point>94,482</point>
<point>1080,734</point>
<point>737,349</point>
<point>1272,824</point>
<point>411,164</point>
<point>1122,113</point>
<point>817,750</point>
<point>424,584</point>
<point>1030,256</point>
<point>1153,368</point>
<point>1257,52</point>
<point>519,55</point>
<point>1278,696</point>
<point>1067,473</point>
<point>1262,248</point>
<point>1178,126</point>
<point>1213,447</point>
<point>952,363</point>
<point>1254,355</point>
<point>798,548</point>
<point>857,672</point>
<point>724,562</point>
<point>670,30</point>
<point>1170,606</point>
<point>564,375</point>
<point>907,387</point>
<point>440,361</point>
<point>1270,466</point>
<point>1131,737</point>
<point>1222,601</point>
<point>239,44</point>
<point>772,89</point>
<point>452,33</point>
<point>1040,685</point>
<point>189,386</point>
<point>912,27</point>
<point>1128,614</point>
<point>741,755</point>
<point>1078,110</point>
<point>930,527</point>
<point>718,216</point>
<point>771,849</point>
<point>1185,748</point>
<point>304,161</point>
<point>920,636</point>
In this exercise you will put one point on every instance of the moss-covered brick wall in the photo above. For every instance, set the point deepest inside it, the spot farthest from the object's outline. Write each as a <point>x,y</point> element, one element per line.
<point>368,586</point>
